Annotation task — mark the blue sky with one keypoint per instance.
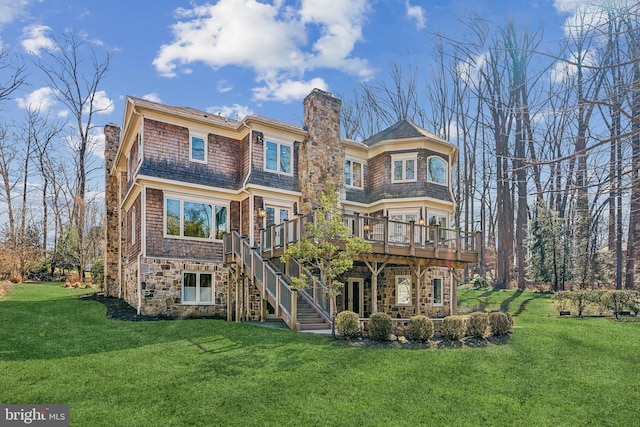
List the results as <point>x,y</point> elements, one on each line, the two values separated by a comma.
<point>241,57</point>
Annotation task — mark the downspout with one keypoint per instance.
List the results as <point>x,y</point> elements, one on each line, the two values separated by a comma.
<point>139,287</point>
<point>143,242</point>
<point>244,186</point>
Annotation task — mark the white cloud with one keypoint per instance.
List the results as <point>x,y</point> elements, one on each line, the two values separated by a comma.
<point>96,144</point>
<point>42,99</point>
<point>568,6</point>
<point>153,97</point>
<point>235,111</point>
<point>416,13</point>
<point>224,86</point>
<point>102,104</point>
<point>287,90</point>
<point>566,69</point>
<point>35,39</point>
<point>469,70</point>
<point>11,9</point>
<point>280,43</point>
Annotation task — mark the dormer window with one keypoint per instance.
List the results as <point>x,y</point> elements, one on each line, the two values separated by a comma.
<point>197,148</point>
<point>403,167</point>
<point>278,158</point>
<point>437,170</point>
<point>353,173</point>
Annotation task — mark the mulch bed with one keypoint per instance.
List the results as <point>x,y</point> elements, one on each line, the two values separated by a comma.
<point>435,342</point>
<point>117,308</point>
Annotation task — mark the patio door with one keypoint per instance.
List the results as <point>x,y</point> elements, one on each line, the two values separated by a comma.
<point>399,233</point>
<point>276,215</point>
<point>353,296</point>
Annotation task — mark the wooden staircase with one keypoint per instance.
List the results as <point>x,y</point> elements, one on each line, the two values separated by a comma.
<point>296,308</point>
<point>308,316</point>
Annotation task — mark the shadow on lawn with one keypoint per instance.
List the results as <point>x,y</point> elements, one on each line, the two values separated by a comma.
<point>70,327</point>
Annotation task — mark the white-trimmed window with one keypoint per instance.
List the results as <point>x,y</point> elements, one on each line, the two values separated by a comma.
<point>139,137</point>
<point>198,148</point>
<point>353,173</point>
<point>437,290</point>
<point>403,167</point>
<point>278,157</point>
<point>197,288</point>
<point>194,219</point>
<point>403,290</point>
<point>437,170</point>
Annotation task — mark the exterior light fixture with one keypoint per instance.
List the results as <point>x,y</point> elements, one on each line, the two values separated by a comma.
<point>262,212</point>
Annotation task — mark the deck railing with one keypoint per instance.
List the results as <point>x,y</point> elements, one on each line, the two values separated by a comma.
<point>378,230</point>
<point>271,282</point>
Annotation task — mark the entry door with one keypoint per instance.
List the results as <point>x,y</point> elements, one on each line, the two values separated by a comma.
<point>276,215</point>
<point>353,296</point>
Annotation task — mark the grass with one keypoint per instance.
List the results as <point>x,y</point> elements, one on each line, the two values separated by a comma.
<point>55,348</point>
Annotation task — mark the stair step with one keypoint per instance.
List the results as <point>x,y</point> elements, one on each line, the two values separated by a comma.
<point>314,326</point>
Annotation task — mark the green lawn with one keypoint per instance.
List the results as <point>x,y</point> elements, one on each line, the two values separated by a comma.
<point>55,348</point>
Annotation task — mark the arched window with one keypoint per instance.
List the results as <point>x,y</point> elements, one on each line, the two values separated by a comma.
<point>437,170</point>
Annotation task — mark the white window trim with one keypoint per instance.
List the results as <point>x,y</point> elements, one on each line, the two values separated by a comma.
<point>133,226</point>
<point>206,146</point>
<point>410,303</point>
<point>404,158</point>
<point>361,173</point>
<point>264,157</point>
<point>212,202</point>
<point>446,170</point>
<point>197,302</point>
<point>433,291</point>
<point>140,136</point>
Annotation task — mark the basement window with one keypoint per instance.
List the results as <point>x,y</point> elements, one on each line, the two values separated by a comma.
<point>197,288</point>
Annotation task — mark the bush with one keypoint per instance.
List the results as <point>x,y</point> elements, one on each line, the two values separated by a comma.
<point>477,324</point>
<point>16,279</point>
<point>499,323</point>
<point>380,326</point>
<point>347,324</point>
<point>420,328</point>
<point>97,272</point>
<point>453,328</point>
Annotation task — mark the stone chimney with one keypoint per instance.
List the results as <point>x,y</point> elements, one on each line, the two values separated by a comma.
<point>112,207</point>
<point>321,155</point>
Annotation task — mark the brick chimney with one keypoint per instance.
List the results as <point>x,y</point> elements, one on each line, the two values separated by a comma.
<point>321,155</point>
<point>112,207</point>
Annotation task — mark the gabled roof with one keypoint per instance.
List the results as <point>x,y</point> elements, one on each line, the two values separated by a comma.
<point>404,129</point>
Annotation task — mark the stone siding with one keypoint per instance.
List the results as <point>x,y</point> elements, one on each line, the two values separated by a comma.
<point>387,293</point>
<point>161,284</point>
<point>321,155</point>
<point>112,210</point>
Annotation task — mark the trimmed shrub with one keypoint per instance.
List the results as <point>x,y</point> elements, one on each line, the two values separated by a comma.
<point>499,323</point>
<point>453,328</point>
<point>347,324</point>
<point>420,328</point>
<point>477,324</point>
<point>380,326</point>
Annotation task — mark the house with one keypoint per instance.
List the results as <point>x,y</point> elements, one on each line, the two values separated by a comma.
<point>200,207</point>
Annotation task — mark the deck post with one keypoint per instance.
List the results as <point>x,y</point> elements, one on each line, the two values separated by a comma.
<point>294,309</point>
<point>458,249</point>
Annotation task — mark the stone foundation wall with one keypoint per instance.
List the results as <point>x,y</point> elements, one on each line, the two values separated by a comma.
<point>422,305</point>
<point>130,283</point>
<point>161,284</point>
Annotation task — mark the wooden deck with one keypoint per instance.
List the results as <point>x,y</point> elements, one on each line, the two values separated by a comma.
<point>391,241</point>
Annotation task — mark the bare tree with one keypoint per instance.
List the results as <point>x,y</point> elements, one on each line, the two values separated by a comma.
<point>75,79</point>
